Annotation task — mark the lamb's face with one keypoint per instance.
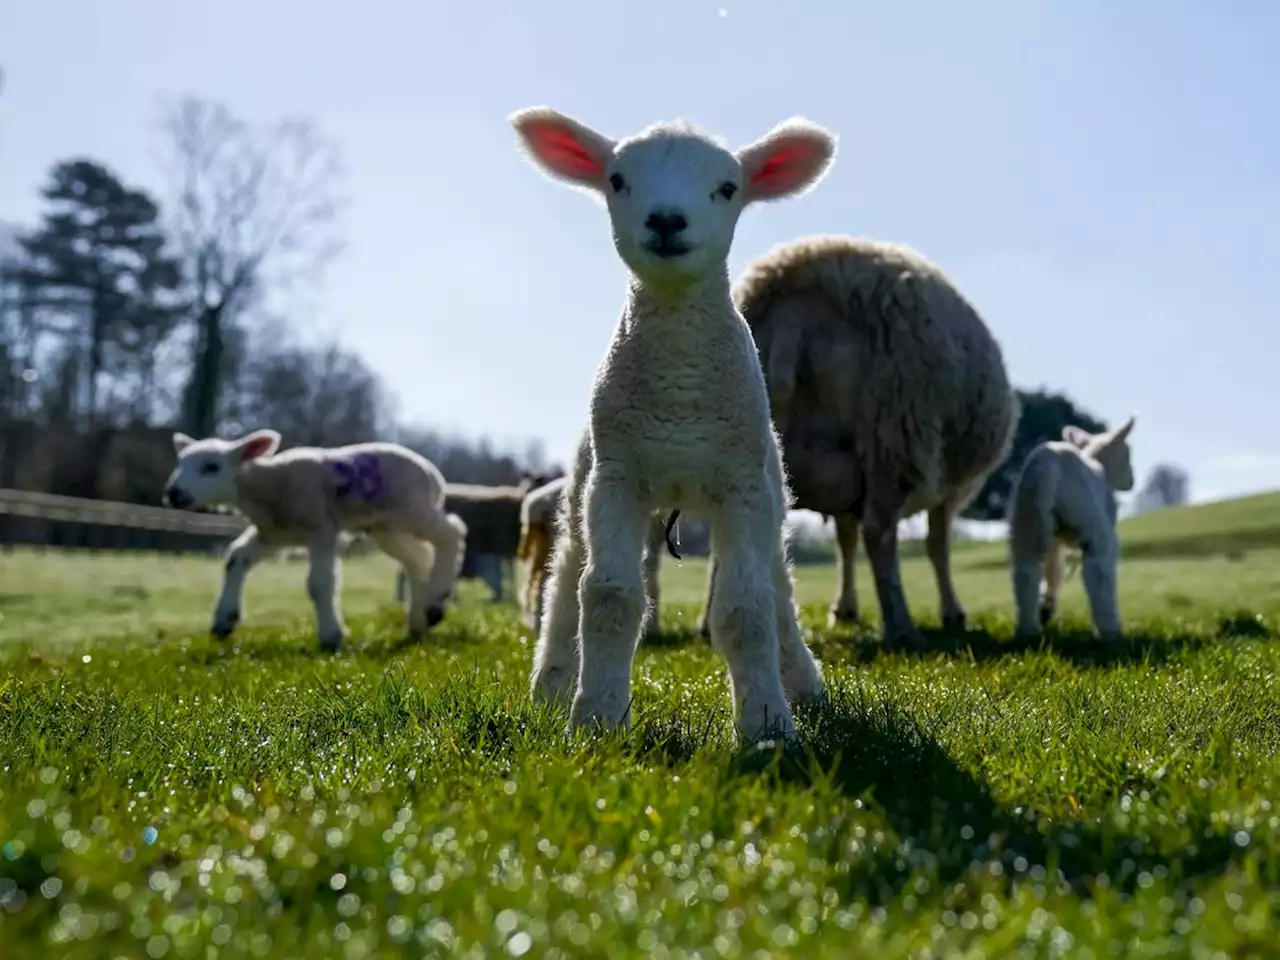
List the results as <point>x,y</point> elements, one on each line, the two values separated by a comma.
<point>206,470</point>
<point>673,194</point>
<point>1117,465</point>
<point>674,198</point>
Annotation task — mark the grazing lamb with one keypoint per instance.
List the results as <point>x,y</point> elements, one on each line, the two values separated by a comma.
<point>891,397</point>
<point>308,496</point>
<point>1065,496</point>
<point>679,419</point>
<point>538,517</point>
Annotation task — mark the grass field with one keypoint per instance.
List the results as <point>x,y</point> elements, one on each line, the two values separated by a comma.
<point>165,795</point>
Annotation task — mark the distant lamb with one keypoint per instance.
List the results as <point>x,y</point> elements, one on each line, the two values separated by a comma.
<point>891,397</point>
<point>679,419</point>
<point>1065,497</point>
<point>538,520</point>
<point>308,496</point>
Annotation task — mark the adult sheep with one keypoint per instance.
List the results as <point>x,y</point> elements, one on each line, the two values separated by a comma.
<point>890,395</point>
<point>308,496</point>
<point>679,418</point>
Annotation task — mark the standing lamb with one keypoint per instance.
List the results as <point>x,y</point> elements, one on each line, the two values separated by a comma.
<point>679,419</point>
<point>538,521</point>
<point>1065,496</point>
<point>891,397</point>
<point>308,496</point>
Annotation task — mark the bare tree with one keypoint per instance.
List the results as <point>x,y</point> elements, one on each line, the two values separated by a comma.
<point>254,212</point>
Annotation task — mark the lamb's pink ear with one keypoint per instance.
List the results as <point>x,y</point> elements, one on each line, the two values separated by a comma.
<point>260,443</point>
<point>181,441</point>
<point>787,160</point>
<point>1122,432</point>
<point>562,147</point>
<point>1076,436</point>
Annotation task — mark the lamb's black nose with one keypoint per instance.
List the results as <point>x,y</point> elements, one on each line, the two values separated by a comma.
<point>666,223</point>
<point>176,497</point>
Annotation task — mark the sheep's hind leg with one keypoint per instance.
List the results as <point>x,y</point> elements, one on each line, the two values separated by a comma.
<point>845,607</point>
<point>611,598</point>
<point>323,584</point>
<point>938,546</point>
<point>744,618</point>
<point>880,534</point>
<point>415,557</point>
<point>245,551</point>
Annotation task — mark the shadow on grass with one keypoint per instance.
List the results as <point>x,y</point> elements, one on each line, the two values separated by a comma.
<point>949,824</point>
<point>1079,647</point>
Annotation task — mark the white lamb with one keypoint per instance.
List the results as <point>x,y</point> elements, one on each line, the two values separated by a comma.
<point>1065,497</point>
<point>679,419</point>
<point>307,496</point>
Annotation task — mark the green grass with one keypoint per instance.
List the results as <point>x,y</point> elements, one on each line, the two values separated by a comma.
<point>165,795</point>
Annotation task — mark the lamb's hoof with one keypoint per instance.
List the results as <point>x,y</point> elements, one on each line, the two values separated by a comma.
<point>434,615</point>
<point>597,718</point>
<point>841,615</point>
<point>956,622</point>
<point>1046,614</point>
<point>552,685</point>
<point>223,627</point>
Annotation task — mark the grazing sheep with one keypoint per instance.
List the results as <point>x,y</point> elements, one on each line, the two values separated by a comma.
<point>1065,496</point>
<point>679,419</point>
<point>537,539</point>
<point>891,397</point>
<point>309,496</point>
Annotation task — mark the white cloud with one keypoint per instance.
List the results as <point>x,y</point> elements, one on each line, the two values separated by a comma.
<point>1235,475</point>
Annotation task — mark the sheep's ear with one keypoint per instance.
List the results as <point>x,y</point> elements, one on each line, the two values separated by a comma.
<point>260,443</point>
<point>787,160</point>
<point>181,441</point>
<point>563,148</point>
<point>1076,436</point>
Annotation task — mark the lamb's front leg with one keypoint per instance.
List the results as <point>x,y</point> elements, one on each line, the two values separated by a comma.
<point>655,543</point>
<point>246,550</point>
<point>611,596</point>
<point>743,616</point>
<point>555,657</point>
<point>801,675</point>
<point>322,587</point>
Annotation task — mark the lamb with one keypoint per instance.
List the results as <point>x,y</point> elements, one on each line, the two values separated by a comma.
<point>679,419</point>
<point>891,397</point>
<point>538,516</point>
<point>1065,496</point>
<point>309,496</point>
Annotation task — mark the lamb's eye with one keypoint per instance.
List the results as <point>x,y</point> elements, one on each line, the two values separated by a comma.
<point>616,181</point>
<point>209,467</point>
<point>727,190</point>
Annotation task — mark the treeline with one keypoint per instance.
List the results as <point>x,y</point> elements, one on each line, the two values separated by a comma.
<point>125,315</point>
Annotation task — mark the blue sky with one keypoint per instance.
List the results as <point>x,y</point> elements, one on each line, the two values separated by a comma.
<point>1102,180</point>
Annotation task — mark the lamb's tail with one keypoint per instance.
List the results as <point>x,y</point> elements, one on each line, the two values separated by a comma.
<point>1031,506</point>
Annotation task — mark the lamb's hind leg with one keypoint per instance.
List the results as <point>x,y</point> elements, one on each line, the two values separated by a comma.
<point>415,557</point>
<point>655,543</point>
<point>845,608</point>
<point>1054,573</point>
<point>1098,571</point>
<point>611,596</point>
<point>744,618</point>
<point>938,546</point>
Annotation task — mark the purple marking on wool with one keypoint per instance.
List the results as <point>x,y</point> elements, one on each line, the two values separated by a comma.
<point>361,475</point>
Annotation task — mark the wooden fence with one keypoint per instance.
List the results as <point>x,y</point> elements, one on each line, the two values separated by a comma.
<point>48,520</point>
